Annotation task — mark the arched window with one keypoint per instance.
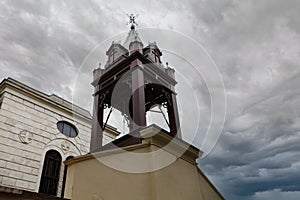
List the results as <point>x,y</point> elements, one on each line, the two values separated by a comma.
<point>67,129</point>
<point>50,174</point>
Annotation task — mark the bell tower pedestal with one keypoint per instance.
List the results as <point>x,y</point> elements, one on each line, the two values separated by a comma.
<point>160,167</point>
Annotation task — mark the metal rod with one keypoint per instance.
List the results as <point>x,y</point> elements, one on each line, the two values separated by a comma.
<point>111,109</point>
<point>164,115</point>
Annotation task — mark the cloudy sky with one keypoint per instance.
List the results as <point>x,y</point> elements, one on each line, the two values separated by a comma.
<point>53,46</point>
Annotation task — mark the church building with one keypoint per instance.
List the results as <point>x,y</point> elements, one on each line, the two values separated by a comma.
<point>38,132</point>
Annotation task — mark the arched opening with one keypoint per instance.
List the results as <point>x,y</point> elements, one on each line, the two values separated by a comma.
<point>50,173</point>
<point>64,178</point>
<point>158,114</point>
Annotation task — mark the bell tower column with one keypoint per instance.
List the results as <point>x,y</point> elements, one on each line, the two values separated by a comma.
<point>98,109</point>
<point>174,117</point>
<point>173,114</point>
<point>138,96</point>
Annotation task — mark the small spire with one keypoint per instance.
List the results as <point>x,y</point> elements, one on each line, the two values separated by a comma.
<point>133,35</point>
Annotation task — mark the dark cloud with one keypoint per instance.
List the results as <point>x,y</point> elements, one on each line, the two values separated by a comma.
<point>54,46</point>
<point>256,46</point>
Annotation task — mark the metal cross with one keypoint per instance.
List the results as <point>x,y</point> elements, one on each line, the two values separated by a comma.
<point>132,19</point>
<point>112,54</point>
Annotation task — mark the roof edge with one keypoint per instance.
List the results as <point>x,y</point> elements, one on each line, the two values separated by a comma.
<point>14,83</point>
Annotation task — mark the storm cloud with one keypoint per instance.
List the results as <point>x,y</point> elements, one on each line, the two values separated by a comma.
<point>255,44</point>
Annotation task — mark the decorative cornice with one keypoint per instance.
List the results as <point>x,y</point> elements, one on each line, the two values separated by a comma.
<point>40,96</point>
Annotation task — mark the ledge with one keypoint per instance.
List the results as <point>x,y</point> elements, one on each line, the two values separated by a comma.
<point>151,135</point>
<point>9,193</point>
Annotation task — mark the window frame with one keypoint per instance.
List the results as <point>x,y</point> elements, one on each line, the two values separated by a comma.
<point>62,126</point>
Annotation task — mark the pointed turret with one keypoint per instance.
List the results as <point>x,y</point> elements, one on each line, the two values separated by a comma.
<point>153,53</point>
<point>115,52</point>
<point>133,41</point>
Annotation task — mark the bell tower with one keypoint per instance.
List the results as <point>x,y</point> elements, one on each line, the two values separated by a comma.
<point>133,81</point>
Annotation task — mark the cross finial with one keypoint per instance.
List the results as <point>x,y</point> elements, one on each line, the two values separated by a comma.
<point>132,21</point>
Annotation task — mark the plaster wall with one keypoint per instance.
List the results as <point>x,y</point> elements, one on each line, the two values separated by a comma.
<point>89,178</point>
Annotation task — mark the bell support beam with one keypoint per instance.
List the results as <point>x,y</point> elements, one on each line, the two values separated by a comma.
<point>173,115</point>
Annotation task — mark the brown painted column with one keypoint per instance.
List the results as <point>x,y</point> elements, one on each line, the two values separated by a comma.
<point>174,116</point>
<point>175,129</point>
<point>97,124</point>
<point>97,121</point>
<point>138,96</point>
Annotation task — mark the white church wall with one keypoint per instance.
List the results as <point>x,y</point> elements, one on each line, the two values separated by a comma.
<point>28,129</point>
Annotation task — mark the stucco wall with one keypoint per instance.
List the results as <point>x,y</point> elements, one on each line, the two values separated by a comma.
<point>90,179</point>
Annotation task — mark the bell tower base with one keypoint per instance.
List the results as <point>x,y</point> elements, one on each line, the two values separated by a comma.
<point>157,168</point>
